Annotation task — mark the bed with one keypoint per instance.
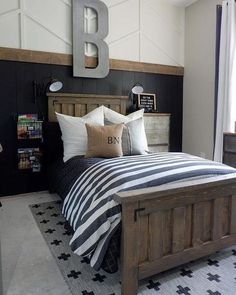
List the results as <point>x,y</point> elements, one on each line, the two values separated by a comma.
<point>168,225</point>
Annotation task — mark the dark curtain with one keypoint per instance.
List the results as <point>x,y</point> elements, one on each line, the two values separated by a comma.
<point>217,57</point>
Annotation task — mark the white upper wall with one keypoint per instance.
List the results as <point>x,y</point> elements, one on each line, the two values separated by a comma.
<point>199,78</point>
<point>139,30</point>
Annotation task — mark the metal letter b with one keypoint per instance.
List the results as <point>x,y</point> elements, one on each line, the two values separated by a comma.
<point>80,37</point>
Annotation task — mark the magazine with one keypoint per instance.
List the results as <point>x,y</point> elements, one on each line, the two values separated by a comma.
<point>29,127</point>
<point>29,158</point>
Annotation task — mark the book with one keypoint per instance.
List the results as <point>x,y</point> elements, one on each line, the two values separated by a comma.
<point>29,129</point>
<point>29,158</point>
<point>28,117</point>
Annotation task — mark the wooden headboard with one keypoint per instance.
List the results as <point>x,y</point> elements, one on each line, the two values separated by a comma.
<point>81,104</point>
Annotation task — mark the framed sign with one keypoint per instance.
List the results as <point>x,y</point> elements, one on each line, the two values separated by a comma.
<point>147,101</point>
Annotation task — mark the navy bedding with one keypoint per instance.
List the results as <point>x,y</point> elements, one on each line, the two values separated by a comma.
<point>61,176</point>
<point>89,206</point>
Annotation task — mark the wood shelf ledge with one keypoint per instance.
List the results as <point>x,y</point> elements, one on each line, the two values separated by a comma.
<point>42,57</point>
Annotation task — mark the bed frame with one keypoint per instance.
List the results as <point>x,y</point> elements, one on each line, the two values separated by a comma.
<point>163,227</point>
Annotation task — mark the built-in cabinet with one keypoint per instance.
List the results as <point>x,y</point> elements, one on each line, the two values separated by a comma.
<point>157,127</point>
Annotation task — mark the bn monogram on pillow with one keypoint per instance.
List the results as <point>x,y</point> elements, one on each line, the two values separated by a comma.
<point>104,141</point>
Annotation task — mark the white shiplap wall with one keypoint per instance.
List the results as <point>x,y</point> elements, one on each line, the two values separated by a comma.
<point>139,30</point>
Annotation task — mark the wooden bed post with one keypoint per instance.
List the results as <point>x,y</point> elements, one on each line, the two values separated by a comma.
<point>129,250</point>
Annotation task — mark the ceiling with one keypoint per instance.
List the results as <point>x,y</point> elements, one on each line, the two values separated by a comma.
<point>182,3</point>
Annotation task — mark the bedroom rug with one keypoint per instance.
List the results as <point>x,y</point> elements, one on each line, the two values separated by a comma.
<point>213,275</point>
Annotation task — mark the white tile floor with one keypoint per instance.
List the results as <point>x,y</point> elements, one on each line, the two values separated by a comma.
<point>28,266</point>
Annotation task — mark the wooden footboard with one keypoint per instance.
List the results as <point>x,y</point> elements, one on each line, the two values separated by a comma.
<point>166,226</point>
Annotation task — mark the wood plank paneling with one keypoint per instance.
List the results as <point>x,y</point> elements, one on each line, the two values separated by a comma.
<point>179,219</point>
<point>225,215</point>
<point>233,215</point>
<point>23,55</point>
<point>80,110</point>
<point>17,97</point>
<point>64,109</point>
<point>202,222</point>
<point>217,221</point>
<point>58,107</point>
<point>167,225</point>
<point>129,250</point>
<point>143,238</point>
<point>167,262</point>
<point>155,235</point>
<point>188,227</point>
<point>81,104</point>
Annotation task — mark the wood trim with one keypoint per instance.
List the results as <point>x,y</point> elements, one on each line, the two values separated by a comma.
<point>43,57</point>
<point>74,104</point>
<point>94,96</point>
<point>182,188</point>
<point>148,269</point>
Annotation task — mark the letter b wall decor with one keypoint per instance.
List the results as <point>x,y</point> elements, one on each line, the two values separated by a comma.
<point>81,38</point>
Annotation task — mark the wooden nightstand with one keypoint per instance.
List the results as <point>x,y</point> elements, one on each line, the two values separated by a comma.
<point>229,149</point>
<point>157,127</point>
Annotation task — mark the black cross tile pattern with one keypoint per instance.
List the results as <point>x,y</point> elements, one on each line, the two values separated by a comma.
<point>61,223</point>
<point>74,274</point>
<point>56,242</point>
<point>153,285</point>
<point>99,278</point>
<point>40,213</point>
<point>45,221</point>
<point>213,262</point>
<point>183,290</point>
<point>185,273</point>
<point>213,293</point>
<point>87,293</point>
<point>50,231</point>
<point>77,268</point>
<point>85,260</point>
<point>67,233</point>
<point>64,256</point>
<point>212,277</point>
<point>36,206</point>
<point>50,208</point>
<point>55,215</point>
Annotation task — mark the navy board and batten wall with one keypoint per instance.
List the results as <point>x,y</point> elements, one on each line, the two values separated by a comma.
<point>17,97</point>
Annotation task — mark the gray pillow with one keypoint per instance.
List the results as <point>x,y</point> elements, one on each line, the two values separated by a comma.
<point>132,143</point>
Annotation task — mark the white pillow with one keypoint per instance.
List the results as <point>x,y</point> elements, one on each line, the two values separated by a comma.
<point>74,133</point>
<point>117,118</point>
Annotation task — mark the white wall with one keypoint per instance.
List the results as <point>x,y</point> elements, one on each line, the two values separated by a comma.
<point>139,30</point>
<point>199,79</point>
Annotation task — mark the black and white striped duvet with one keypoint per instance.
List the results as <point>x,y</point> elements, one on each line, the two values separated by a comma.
<point>92,212</point>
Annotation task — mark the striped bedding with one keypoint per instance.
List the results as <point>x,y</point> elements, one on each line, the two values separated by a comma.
<point>91,210</point>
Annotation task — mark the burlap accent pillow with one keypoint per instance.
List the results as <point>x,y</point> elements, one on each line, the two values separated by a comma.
<point>104,141</point>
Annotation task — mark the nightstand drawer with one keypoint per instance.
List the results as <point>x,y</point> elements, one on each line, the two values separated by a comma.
<point>156,122</point>
<point>157,137</point>
<point>158,148</point>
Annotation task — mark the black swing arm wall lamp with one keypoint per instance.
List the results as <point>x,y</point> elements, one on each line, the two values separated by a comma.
<point>53,85</point>
<point>136,89</point>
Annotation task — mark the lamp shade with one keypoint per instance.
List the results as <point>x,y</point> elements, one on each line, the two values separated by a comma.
<point>137,88</point>
<point>55,85</point>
